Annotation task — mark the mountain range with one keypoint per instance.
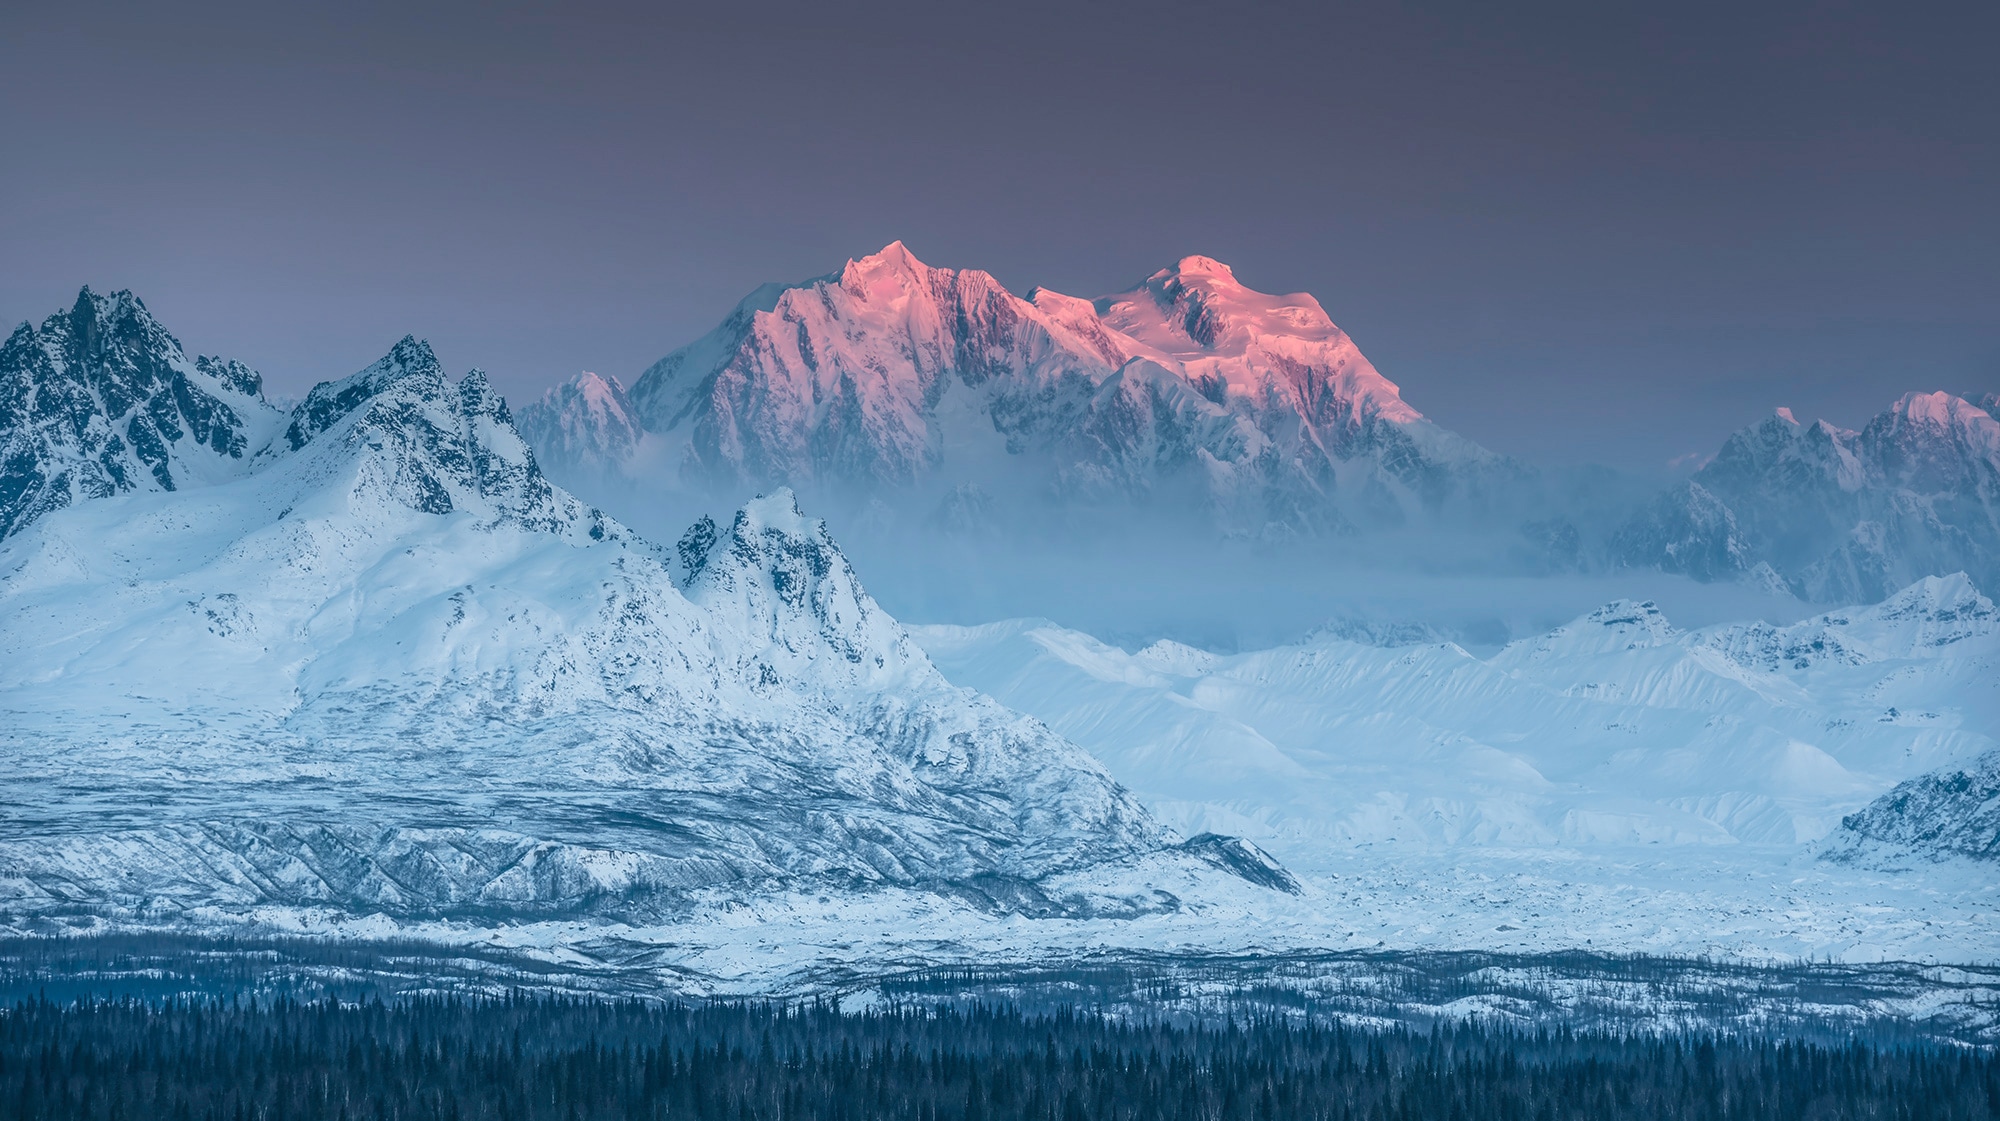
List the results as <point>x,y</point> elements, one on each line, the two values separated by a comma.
<point>382,665</point>
<point>358,667</point>
<point>1193,397</point>
<point>940,386</point>
<point>1617,728</point>
<point>1840,516</point>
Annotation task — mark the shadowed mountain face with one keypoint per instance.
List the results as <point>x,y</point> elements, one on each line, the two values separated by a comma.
<point>1838,515</point>
<point>392,669</point>
<point>1951,813</point>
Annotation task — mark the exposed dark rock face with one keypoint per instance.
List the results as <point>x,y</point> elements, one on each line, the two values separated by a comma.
<point>99,400</point>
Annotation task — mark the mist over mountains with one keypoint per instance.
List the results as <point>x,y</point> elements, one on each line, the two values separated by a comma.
<point>911,400</point>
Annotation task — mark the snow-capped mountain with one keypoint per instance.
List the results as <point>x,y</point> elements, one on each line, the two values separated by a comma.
<point>100,400</point>
<point>891,376</point>
<point>1614,730</point>
<point>393,670</point>
<point>1838,515</point>
<point>585,423</point>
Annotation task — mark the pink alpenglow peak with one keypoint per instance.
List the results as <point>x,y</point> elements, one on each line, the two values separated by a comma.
<point>1948,412</point>
<point>892,372</point>
<point>1199,317</point>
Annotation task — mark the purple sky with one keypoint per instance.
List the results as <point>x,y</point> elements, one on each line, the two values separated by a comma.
<point>1568,232</point>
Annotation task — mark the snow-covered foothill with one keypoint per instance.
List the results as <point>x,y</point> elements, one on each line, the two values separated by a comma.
<point>1616,730</point>
<point>394,670</point>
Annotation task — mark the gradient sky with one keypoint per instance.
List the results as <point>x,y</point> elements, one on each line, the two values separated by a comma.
<point>1572,232</point>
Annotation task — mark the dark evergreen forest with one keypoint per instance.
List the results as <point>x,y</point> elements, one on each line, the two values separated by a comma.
<point>566,1059</point>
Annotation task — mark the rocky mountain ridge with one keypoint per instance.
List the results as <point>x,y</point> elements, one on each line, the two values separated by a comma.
<point>1948,814</point>
<point>390,669</point>
<point>101,400</point>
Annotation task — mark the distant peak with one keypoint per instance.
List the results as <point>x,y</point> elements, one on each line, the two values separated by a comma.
<point>589,380</point>
<point>410,358</point>
<point>410,355</point>
<point>1201,275</point>
<point>894,256</point>
<point>92,307</point>
<point>476,392</point>
<point>1785,415</point>
<point>1947,599</point>
<point>593,389</point>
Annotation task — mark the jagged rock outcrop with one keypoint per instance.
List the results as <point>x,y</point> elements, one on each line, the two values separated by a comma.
<point>100,400</point>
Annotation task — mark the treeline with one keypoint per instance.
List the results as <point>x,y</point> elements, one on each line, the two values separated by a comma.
<point>536,1058</point>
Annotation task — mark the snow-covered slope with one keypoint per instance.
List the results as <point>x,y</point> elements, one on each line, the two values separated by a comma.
<point>1618,729</point>
<point>891,376</point>
<point>100,400</point>
<point>393,670</point>
<point>1953,812</point>
<point>1839,515</point>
